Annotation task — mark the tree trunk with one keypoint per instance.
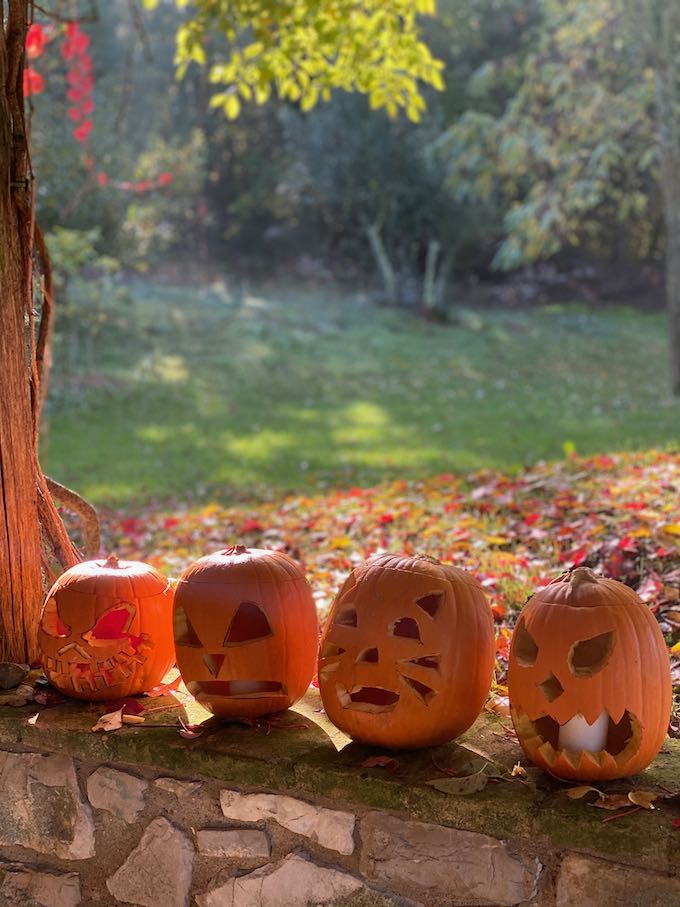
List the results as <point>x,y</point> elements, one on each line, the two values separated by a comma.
<point>389,278</point>
<point>430,278</point>
<point>31,531</point>
<point>668,119</point>
<point>20,565</point>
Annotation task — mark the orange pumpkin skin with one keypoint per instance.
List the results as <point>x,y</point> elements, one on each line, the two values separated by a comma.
<point>106,630</point>
<point>585,645</point>
<point>407,653</point>
<point>246,632</point>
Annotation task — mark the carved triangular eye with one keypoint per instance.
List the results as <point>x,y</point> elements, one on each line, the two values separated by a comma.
<point>431,603</point>
<point>524,645</point>
<point>112,625</point>
<point>248,624</point>
<point>213,663</point>
<point>588,656</point>
<point>51,623</point>
<point>185,635</point>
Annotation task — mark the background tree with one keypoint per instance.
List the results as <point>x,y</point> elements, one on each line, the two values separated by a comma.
<point>303,50</point>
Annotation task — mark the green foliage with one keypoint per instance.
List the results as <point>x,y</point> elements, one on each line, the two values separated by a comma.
<point>571,158</point>
<point>302,50</point>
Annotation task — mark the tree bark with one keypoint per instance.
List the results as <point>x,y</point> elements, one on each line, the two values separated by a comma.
<point>20,565</point>
<point>26,506</point>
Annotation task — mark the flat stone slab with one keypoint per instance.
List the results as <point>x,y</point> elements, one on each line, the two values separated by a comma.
<point>25,886</point>
<point>294,882</point>
<point>42,808</point>
<point>465,868</point>
<point>117,792</point>
<point>586,882</point>
<point>233,843</point>
<point>331,828</point>
<point>158,871</point>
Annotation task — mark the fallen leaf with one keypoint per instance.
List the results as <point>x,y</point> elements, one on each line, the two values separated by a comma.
<point>34,718</point>
<point>498,704</point>
<point>643,798</point>
<point>461,787</point>
<point>518,771</point>
<point>190,731</point>
<point>381,762</point>
<point>112,721</point>
<point>577,793</point>
<point>613,801</point>
<point>133,719</point>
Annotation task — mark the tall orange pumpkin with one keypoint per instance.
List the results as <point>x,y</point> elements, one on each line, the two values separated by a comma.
<point>589,679</point>
<point>246,631</point>
<point>407,653</point>
<point>106,629</point>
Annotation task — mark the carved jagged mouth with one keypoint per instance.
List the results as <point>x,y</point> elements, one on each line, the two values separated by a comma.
<point>541,738</point>
<point>94,674</point>
<point>367,699</point>
<point>236,689</point>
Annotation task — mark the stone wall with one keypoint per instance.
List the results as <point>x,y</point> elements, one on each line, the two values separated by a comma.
<point>90,833</point>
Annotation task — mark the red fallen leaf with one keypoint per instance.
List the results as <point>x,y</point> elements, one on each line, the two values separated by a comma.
<point>627,544</point>
<point>74,114</point>
<point>575,557</point>
<point>676,824</point>
<point>252,525</point>
<point>102,179</point>
<point>532,518</point>
<point>388,762</point>
<point>164,178</point>
<point>385,518</point>
<point>190,731</point>
<point>165,689</point>
<point>650,587</point>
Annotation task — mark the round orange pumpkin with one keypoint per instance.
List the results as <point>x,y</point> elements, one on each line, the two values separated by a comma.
<point>589,679</point>
<point>246,631</point>
<point>407,653</point>
<point>106,629</point>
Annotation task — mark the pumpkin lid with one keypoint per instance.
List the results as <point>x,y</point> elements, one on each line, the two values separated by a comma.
<point>583,588</point>
<point>422,564</point>
<point>238,564</point>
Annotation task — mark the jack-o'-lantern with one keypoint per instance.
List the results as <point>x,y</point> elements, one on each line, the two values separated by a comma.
<point>589,679</point>
<point>106,629</point>
<point>407,653</point>
<point>246,631</point>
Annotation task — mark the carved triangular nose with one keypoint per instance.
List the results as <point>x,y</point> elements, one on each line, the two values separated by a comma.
<point>367,655</point>
<point>213,663</point>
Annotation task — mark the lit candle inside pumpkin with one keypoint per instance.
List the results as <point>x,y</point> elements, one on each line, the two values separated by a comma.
<point>577,734</point>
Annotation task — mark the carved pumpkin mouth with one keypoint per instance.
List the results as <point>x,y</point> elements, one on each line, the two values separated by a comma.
<point>367,699</point>
<point>236,689</point>
<point>540,737</point>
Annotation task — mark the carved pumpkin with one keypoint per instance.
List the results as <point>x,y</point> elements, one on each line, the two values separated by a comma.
<point>106,630</point>
<point>589,679</point>
<point>246,631</point>
<point>407,653</point>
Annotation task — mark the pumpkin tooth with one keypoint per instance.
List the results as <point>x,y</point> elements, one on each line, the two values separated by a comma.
<point>591,760</point>
<point>547,752</point>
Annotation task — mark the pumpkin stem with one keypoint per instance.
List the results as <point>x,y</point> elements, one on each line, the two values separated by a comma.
<point>581,575</point>
<point>111,561</point>
<point>235,549</point>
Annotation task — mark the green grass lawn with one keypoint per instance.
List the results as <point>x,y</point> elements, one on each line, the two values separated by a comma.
<point>193,392</point>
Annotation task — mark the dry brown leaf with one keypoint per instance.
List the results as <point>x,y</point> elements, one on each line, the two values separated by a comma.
<point>133,719</point>
<point>613,801</point>
<point>643,798</point>
<point>577,793</point>
<point>112,721</point>
<point>388,762</point>
<point>518,771</point>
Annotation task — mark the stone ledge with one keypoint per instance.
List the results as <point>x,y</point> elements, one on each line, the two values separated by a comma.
<point>298,755</point>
